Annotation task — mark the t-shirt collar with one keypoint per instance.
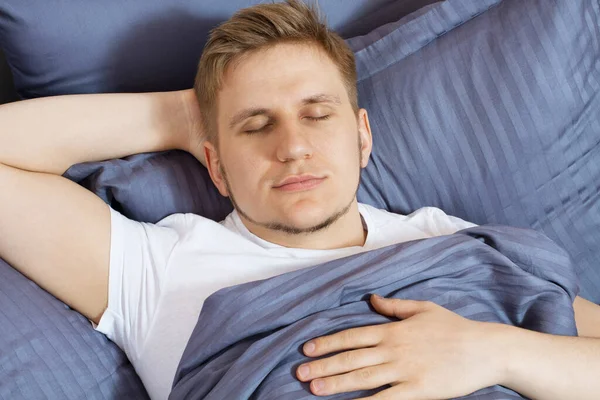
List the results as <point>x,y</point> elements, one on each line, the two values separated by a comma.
<point>234,222</point>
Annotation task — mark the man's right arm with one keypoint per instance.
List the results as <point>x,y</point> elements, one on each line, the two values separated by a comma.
<point>51,134</point>
<point>51,229</point>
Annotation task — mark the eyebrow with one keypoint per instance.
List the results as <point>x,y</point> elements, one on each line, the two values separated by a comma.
<point>252,112</point>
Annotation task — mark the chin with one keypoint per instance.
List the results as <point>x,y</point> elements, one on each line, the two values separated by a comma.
<point>306,215</point>
<point>304,210</point>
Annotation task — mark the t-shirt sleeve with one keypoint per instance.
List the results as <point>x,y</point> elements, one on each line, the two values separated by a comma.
<point>139,257</point>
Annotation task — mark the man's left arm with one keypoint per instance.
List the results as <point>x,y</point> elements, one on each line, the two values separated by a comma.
<point>543,366</point>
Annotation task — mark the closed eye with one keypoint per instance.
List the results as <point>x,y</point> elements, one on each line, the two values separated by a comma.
<point>323,118</point>
<point>259,130</point>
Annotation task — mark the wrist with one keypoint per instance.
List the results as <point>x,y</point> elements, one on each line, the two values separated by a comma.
<point>193,126</point>
<point>192,134</point>
<point>178,119</point>
<point>167,121</point>
<point>498,342</point>
<point>508,345</point>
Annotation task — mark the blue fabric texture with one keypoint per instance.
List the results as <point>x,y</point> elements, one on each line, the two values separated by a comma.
<point>148,187</point>
<point>247,343</point>
<point>70,46</point>
<point>492,116</point>
<point>48,351</point>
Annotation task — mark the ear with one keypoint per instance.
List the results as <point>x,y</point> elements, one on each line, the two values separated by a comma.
<point>213,164</point>
<point>364,130</point>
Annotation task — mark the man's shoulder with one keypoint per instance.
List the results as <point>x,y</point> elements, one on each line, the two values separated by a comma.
<point>432,220</point>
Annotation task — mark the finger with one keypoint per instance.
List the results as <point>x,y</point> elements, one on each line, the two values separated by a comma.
<point>342,363</point>
<point>348,339</point>
<point>401,309</point>
<point>361,379</point>
<point>402,391</point>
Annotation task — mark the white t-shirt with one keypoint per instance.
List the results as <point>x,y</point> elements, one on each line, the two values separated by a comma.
<point>160,275</point>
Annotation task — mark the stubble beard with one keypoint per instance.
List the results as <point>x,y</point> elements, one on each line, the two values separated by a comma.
<point>293,230</point>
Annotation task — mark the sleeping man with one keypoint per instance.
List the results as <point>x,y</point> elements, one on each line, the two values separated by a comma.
<point>274,117</point>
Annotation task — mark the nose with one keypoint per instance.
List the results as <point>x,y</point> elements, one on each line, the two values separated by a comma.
<point>293,144</point>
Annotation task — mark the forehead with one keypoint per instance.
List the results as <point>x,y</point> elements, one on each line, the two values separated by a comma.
<point>279,76</point>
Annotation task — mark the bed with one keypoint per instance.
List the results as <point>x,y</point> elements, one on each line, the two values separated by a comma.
<point>487,109</point>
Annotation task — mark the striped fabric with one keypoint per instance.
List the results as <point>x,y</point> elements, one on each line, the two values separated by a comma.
<point>490,110</point>
<point>48,351</point>
<point>248,339</point>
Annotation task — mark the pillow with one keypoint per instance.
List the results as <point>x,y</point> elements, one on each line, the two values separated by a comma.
<point>70,46</point>
<point>49,351</point>
<point>148,187</point>
<point>492,116</point>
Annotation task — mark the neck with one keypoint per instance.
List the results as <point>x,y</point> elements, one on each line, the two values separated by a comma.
<point>347,231</point>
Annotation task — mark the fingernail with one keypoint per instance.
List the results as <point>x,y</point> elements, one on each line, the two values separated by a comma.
<point>309,347</point>
<point>378,297</point>
<point>319,385</point>
<point>303,371</point>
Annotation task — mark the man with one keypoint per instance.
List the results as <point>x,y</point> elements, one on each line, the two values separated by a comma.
<point>276,100</point>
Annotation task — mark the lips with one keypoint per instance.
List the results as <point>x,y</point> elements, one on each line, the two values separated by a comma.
<point>299,182</point>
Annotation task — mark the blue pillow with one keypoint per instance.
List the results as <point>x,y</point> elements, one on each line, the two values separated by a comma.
<point>48,351</point>
<point>490,110</point>
<point>148,187</point>
<point>71,46</point>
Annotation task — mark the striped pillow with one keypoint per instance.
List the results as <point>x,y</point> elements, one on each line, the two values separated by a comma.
<point>490,110</point>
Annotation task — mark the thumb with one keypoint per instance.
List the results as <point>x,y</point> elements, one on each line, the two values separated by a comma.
<point>401,309</point>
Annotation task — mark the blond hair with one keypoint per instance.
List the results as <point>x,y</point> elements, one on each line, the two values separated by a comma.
<point>260,27</point>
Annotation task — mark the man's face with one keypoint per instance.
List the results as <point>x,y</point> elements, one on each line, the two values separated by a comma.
<point>283,115</point>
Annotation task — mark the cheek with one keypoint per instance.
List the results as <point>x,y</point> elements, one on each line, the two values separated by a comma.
<point>348,161</point>
<point>344,150</point>
<point>243,170</point>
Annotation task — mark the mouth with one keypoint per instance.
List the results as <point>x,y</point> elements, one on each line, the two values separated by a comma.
<point>299,183</point>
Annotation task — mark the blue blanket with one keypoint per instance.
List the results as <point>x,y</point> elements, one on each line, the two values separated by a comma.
<point>247,342</point>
